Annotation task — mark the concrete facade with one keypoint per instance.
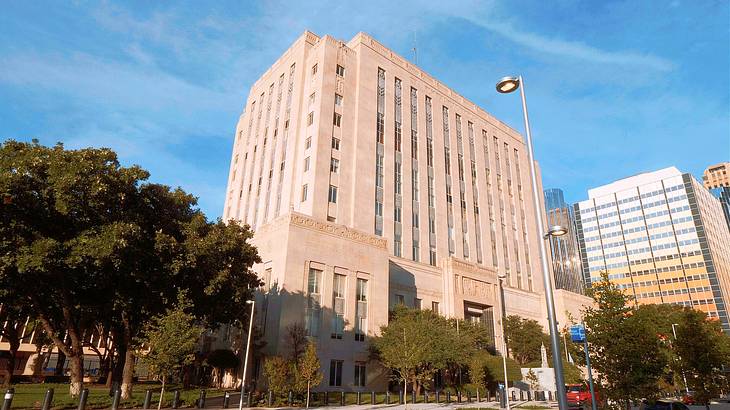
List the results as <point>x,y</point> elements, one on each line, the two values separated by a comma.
<point>368,183</point>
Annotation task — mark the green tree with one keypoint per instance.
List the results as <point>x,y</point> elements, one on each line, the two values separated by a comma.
<point>13,314</point>
<point>170,341</point>
<point>416,343</point>
<point>84,241</point>
<point>626,349</point>
<point>307,371</point>
<point>704,350</point>
<point>524,338</point>
<point>278,373</point>
<point>487,370</point>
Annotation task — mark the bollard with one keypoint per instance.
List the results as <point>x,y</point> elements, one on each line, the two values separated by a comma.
<point>550,396</point>
<point>201,399</point>
<point>458,396</point>
<point>147,399</point>
<point>425,396</point>
<point>176,399</point>
<point>248,399</point>
<point>372,398</point>
<point>48,400</point>
<point>82,399</point>
<point>290,398</point>
<point>226,400</point>
<point>115,399</point>
<point>342,398</point>
<point>438,396</point>
<point>8,400</point>
<point>514,395</point>
<point>413,397</point>
<point>387,397</point>
<point>326,398</point>
<point>270,400</point>
<point>400,397</point>
<point>448,397</point>
<point>359,402</point>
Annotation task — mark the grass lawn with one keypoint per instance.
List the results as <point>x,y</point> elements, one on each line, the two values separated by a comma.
<point>30,396</point>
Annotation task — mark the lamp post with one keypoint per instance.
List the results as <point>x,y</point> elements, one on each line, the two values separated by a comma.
<point>684,378</point>
<point>504,86</point>
<point>503,313</point>
<point>245,361</point>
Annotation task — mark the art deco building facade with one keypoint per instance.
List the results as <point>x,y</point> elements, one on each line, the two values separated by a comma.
<point>564,250</point>
<point>661,236</point>
<point>368,184</point>
<point>717,180</point>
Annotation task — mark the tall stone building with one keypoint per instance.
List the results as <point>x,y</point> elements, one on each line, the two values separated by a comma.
<point>661,236</point>
<point>564,250</point>
<point>369,184</point>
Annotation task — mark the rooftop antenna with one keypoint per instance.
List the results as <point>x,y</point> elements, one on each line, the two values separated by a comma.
<point>415,49</point>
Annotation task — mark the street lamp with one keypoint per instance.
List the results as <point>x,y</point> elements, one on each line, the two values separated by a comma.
<point>555,231</point>
<point>504,86</point>
<point>245,361</point>
<point>501,277</point>
<point>684,378</point>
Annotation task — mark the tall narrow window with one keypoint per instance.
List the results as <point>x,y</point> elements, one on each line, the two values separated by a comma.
<point>335,144</point>
<point>313,310</point>
<point>338,303</point>
<point>337,119</point>
<point>334,165</point>
<point>340,70</point>
<point>338,100</point>
<point>360,378</point>
<point>333,194</point>
<point>304,192</point>
<point>335,372</point>
<point>361,310</point>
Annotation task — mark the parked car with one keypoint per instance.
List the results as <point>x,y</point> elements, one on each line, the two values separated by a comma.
<point>579,396</point>
<point>689,398</point>
<point>664,404</point>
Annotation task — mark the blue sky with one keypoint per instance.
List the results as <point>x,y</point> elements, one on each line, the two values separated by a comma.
<point>614,88</point>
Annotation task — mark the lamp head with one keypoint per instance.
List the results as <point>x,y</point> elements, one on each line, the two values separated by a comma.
<point>508,84</point>
<point>501,275</point>
<point>249,302</point>
<point>555,231</point>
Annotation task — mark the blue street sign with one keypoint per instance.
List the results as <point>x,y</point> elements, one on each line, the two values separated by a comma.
<point>578,333</point>
<point>501,386</point>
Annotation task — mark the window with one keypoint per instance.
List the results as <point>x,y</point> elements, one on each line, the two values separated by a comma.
<point>361,310</point>
<point>311,99</point>
<point>310,118</point>
<point>304,192</point>
<point>360,378</point>
<point>417,303</point>
<point>399,299</point>
<point>340,70</point>
<point>308,143</point>
<point>337,120</point>
<point>335,372</point>
<point>335,143</point>
<point>306,164</point>
<point>334,165</point>
<point>378,208</point>
<point>397,214</point>
<point>333,194</point>
<point>415,219</point>
<point>435,307</point>
<point>416,253</point>
<point>314,69</point>
<point>338,100</point>
<point>338,303</point>
<point>313,302</point>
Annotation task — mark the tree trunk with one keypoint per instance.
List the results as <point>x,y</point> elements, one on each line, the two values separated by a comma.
<point>162,393</point>
<point>76,366</point>
<point>60,364</point>
<point>128,374</point>
<point>14,346</point>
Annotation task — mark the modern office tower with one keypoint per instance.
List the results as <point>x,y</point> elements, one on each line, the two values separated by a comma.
<point>564,250</point>
<point>368,184</point>
<point>661,236</point>
<point>717,176</point>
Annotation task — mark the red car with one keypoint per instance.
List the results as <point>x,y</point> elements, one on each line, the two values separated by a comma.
<point>579,396</point>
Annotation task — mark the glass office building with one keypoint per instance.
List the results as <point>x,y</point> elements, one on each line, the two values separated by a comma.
<point>662,237</point>
<point>564,250</point>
